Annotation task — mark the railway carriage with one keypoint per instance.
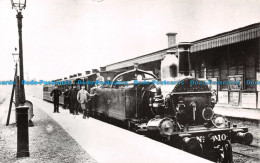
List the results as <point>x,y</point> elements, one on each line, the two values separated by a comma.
<point>76,80</point>
<point>47,88</point>
<point>46,92</point>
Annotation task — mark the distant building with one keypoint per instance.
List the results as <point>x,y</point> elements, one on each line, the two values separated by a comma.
<point>230,56</point>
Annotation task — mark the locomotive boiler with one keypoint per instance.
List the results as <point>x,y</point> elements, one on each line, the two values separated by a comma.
<point>178,109</point>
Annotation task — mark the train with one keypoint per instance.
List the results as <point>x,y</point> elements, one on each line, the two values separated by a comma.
<point>171,109</point>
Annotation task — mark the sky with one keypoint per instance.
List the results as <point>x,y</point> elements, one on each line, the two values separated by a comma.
<point>64,37</point>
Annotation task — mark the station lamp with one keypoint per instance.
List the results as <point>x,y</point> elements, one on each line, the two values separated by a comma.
<point>19,5</point>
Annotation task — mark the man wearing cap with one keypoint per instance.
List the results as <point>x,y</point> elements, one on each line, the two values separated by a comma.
<point>82,98</point>
<point>56,94</point>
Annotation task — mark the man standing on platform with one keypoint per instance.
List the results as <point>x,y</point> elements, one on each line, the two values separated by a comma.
<point>73,99</point>
<point>56,94</point>
<point>82,98</point>
<point>66,98</point>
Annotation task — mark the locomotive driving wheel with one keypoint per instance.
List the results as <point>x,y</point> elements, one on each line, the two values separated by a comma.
<point>224,153</point>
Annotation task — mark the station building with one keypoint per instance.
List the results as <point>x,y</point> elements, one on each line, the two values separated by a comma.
<point>229,56</point>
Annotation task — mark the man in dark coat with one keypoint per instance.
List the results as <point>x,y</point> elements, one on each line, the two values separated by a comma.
<point>73,100</point>
<point>56,94</point>
<point>66,98</point>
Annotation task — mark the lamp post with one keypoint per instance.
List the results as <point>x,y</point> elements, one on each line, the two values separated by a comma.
<point>22,110</point>
<point>19,5</point>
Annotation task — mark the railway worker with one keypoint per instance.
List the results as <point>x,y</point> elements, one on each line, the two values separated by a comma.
<point>82,98</point>
<point>108,82</point>
<point>66,98</point>
<point>56,94</point>
<point>73,100</point>
<point>99,80</point>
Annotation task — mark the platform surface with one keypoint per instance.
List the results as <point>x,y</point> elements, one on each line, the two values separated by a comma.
<point>237,112</point>
<point>110,144</point>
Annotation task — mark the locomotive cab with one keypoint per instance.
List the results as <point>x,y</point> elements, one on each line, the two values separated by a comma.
<point>132,97</point>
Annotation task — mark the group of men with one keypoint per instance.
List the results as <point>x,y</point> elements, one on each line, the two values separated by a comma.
<point>74,98</point>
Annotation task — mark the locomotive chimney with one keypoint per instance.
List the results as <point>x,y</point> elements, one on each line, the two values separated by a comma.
<point>171,39</point>
<point>184,58</point>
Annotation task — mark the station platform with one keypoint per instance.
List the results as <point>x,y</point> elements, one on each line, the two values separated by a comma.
<point>237,112</point>
<point>106,143</point>
<point>48,141</point>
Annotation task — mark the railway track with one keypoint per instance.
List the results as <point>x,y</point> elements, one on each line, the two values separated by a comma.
<point>248,152</point>
<point>247,156</point>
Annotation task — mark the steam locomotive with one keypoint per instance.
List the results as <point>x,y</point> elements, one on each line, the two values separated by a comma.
<point>172,110</point>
